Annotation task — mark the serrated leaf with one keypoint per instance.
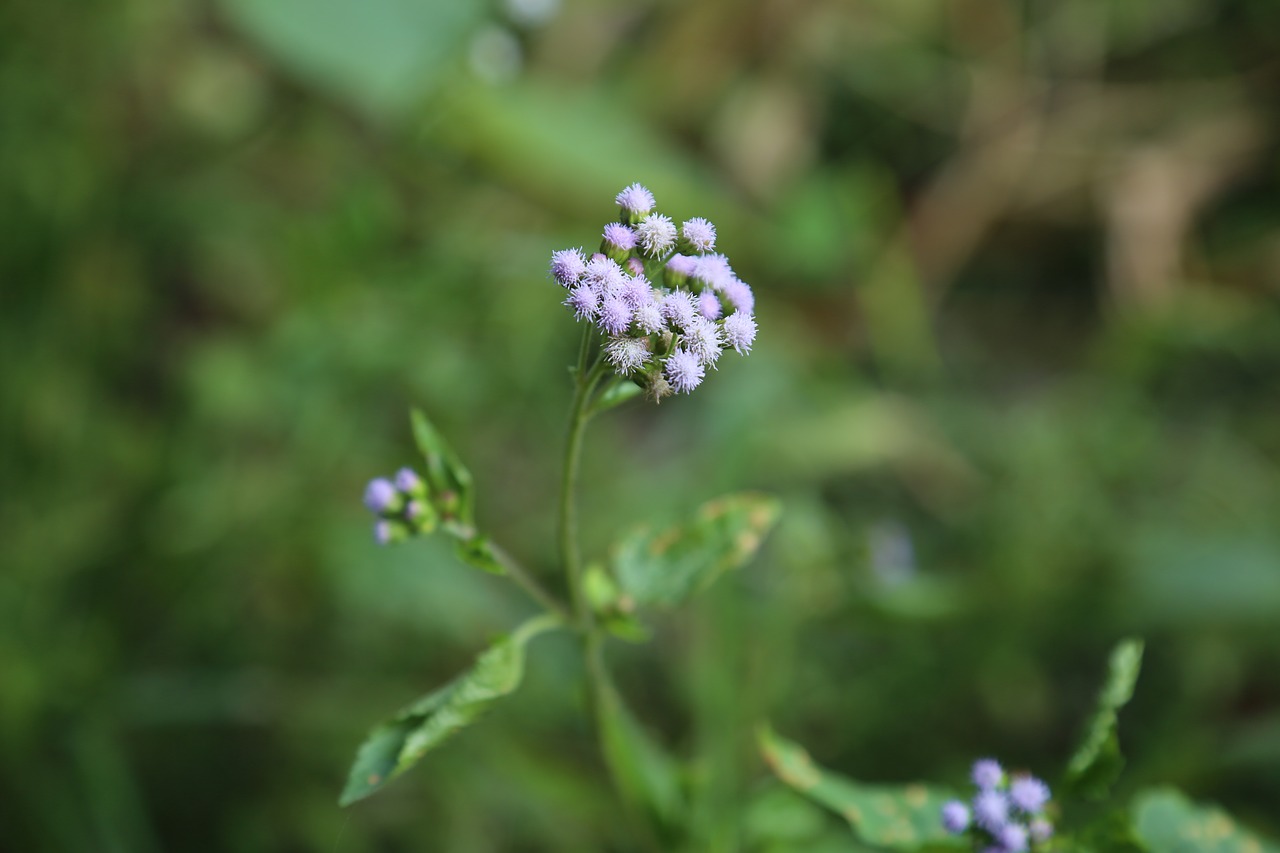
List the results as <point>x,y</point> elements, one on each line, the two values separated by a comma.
<point>397,744</point>
<point>895,817</point>
<point>1097,760</point>
<point>452,491</point>
<point>648,775</point>
<point>1167,822</point>
<point>664,568</point>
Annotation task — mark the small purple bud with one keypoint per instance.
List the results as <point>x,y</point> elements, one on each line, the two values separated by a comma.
<point>1028,793</point>
<point>584,301</point>
<point>615,315</point>
<point>991,810</point>
<point>620,236</point>
<point>1013,838</point>
<point>627,354</point>
<point>678,308</point>
<point>635,200</point>
<point>955,817</point>
<point>381,496</point>
<point>408,482</point>
<point>567,266</point>
<point>657,234</point>
<point>699,233</point>
<point>684,371</point>
<point>383,532</point>
<point>635,266</point>
<point>987,773</point>
<point>709,305</point>
<point>1041,830</point>
<point>739,331</point>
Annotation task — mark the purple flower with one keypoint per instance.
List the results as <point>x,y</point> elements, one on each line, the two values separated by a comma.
<point>739,293</point>
<point>1013,838</point>
<point>987,773</point>
<point>713,270</point>
<point>740,331</point>
<point>709,305</point>
<point>991,810</point>
<point>955,817</point>
<point>684,371</point>
<point>636,200</point>
<point>700,233</point>
<point>635,266</point>
<point>620,236</point>
<point>383,532</point>
<point>627,354</point>
<point>408,481</point>
<point>615,314</point>
<point>678,308</point>
<point>567,266</point>
<point>702,338</point>
<point>584,301</point>
<point>649,315</point>
<point>1028,793</point>
<point>381,496</point>
<point>415,510</point>
<point>1041,830</point>
<point>604,273</point>
<point>657,234</point>
<point>635,290</point>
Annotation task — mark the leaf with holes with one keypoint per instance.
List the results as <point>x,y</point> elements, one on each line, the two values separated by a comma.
<point>895,817</point>
<point>397,744</point>
<point>665,567</point>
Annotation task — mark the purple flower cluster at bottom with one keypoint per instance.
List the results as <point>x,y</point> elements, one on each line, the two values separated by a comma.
<point>1005,815</point>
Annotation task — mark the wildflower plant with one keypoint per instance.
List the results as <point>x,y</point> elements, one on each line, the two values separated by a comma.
<point>659,308</point>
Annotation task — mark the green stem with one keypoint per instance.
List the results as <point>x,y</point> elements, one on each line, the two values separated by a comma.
<point>568,486</point>
<point>530,584</point>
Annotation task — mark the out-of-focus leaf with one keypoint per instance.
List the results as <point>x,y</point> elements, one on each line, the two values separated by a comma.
<point>381,55</point>
<point>1097,760</point>
<point>616,394</point>
<point>1167,822</point>
<point>649,776</point>
<point>476,551</point>
<point>613,609</point>
<point>397,744</point>
<point>664,568</point>
<point>898,818</point>
<point>450,481</point>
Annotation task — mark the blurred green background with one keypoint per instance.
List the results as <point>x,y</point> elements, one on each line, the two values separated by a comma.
<point>1018,270</point>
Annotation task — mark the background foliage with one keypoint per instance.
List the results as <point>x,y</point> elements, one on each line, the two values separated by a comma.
<point>1017,271</point>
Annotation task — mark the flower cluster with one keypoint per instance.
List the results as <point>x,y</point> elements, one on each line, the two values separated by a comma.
<point>1006,815</point>
<point>667,304</point>
<point>401,506</point>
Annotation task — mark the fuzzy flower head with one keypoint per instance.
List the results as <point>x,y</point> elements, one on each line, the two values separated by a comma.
<point>381,496</point>
<point>1006,814</point>
<point>567,266</point>
<point>636,201</point>
<point>657,234</point>
<point>665,304</point>
<point>699,234</point>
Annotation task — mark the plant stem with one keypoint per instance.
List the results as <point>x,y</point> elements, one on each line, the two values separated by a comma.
<point>584,381</point>
<point>530,584</point>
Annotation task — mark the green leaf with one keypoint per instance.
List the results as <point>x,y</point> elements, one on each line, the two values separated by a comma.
<point>1167,822</point>
<point>478,552</point>
<point>613,610</point>
<point>452,491</point>
<point>666,567</point>
<point>397,744</point>
<point>381,55</point>
<point>617,393</point>
<point>1097,760</point>
<point>649,777</point>
<point>895,817</point>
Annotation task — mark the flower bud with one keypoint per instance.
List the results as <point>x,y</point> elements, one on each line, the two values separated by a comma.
<point>381,497</point>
